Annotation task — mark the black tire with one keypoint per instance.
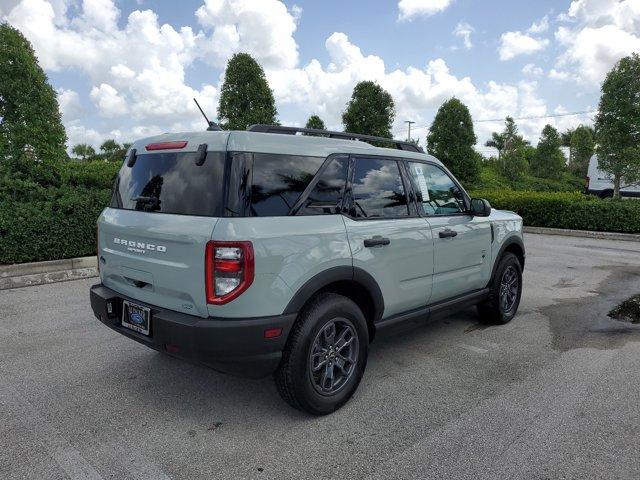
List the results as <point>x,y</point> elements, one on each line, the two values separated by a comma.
<point>606,194</point>
<point>296,382</point>
<point>494,310</point>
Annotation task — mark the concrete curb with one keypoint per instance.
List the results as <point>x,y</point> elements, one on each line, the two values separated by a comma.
<point>38,273</point>
<point>627,237</point>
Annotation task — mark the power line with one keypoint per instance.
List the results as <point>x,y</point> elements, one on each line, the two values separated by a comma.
<point>535,117</point>
<point>531,117</point>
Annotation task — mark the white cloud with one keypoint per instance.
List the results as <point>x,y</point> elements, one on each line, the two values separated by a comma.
<point>539,27</point>
<point>464,30</point>
<point>513,44</point>
<point>109,102</point>
<point>559,75</point>
<point>263,27</point>
<point>70,105</point>
<point>138,68</point>
<point>77,133</point>
<point>408,9</point>
<point>417,92</point>
<point>597,35</point>
<point>532,69</point>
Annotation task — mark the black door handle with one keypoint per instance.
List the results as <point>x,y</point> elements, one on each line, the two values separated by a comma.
<point>447,233</point>
<point>376,241</point>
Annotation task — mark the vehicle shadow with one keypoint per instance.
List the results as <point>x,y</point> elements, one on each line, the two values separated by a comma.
<point>195,394</point>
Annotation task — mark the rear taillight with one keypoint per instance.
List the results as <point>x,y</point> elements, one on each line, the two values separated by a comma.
<point>229,270</point>
<point>587,179</point>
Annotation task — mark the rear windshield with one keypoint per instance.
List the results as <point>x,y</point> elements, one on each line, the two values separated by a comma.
<point>172,183</point>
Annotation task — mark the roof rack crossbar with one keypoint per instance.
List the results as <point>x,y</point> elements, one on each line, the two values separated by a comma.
<point>399,144</point>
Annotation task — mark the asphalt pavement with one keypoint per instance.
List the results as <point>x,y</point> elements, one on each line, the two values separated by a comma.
<point>554,394</point>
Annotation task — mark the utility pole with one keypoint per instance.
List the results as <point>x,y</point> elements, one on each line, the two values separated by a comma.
<point>409,122</point>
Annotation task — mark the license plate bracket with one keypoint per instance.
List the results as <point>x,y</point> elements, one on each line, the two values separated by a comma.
<point>136,317</point>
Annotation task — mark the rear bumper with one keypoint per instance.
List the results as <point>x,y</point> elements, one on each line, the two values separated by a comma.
<point>235,346</point>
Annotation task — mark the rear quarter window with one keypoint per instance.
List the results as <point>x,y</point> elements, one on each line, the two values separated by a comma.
<point>278,180</point>
<point>172,183</point>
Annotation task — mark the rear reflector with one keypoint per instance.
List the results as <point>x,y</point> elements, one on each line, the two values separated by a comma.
<point>166,145</point>
<point>272,333</point>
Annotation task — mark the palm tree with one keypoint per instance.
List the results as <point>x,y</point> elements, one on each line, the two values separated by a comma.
<point>497,142</point>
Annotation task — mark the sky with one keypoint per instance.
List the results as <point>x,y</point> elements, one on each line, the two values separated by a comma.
<point>126,69</point>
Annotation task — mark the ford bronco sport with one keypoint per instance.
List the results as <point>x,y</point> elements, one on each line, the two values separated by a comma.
<point>269,252</point>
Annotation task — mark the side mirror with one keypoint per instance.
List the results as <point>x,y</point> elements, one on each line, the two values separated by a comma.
<point>480,207</point>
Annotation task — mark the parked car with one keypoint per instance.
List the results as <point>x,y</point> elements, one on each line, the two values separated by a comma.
<point>269,252</point>
<point>600,183</point>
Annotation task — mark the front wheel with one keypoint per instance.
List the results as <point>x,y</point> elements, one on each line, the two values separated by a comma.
<point>325,356</point>
<point>505,292</point>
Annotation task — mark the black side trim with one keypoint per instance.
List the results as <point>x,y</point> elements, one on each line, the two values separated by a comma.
<point>336,274</point>
<point>434,310</point>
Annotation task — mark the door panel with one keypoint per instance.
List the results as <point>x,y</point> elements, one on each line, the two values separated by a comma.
<point>462,243</point>
<point>461,263</point>
<point>394,247</point>
<point>403,268</point>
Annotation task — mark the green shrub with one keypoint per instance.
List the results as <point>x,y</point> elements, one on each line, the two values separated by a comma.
<point>97,174</point>
<point>570,210</point>
<point>568,183</point>
<point>491,178</point>
<point>60,226</point>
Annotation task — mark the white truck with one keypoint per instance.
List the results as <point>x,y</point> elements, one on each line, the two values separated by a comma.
<point>601,184</point>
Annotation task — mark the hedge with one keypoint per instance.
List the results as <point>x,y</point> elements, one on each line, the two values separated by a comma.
<point>570,210</point>
<point>97,174</point>
<point>61,227</point>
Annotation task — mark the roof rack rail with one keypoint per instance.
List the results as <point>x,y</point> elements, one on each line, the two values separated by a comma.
<point>399,144</point>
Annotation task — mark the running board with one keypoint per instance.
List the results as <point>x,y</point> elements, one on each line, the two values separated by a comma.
<point>435,310</point>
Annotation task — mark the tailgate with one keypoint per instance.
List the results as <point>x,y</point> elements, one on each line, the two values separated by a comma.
<point>155,258</point>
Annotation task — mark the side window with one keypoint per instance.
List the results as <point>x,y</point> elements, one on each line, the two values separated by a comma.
<point>326,196</point>
<point>435,189</point>
<point>378,190</point>
<point>278,181</point>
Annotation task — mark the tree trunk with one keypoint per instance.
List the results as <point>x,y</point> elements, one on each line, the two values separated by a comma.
<point>616,186</point>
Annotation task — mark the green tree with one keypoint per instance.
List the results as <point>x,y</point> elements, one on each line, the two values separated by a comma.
<point>112,151</point>
<point>565,141</point>
<point>513,162</point>
<point>370,111</point>
<point>245,97</point>
<point>581,147</point>
<point>617,124</point>
<point>451,139</point>
<point>496,142</point>
<point>512,151</point>
<point>30,125</point>
<point>109,149</point>
<point>84,152</point>
<point>548,162</point>
<point>315,122</point>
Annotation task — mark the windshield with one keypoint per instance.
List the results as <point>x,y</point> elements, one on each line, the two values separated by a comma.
<point>171,183</point>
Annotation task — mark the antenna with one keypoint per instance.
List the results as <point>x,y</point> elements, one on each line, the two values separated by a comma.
<point>212,126</point>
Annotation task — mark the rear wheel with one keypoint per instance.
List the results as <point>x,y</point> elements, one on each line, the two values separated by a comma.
<point>505,292</point>
<point>325,356</point>
<point>606,194</point>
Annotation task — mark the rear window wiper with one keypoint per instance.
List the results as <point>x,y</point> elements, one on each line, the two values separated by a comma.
<point>145,199</point>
